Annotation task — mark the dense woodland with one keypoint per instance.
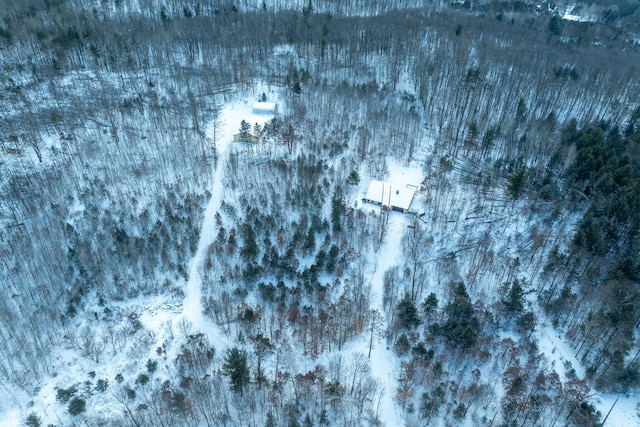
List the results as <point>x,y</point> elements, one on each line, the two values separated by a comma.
<point>527,129</point>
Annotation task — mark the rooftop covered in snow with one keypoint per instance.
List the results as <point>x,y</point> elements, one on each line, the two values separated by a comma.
<point>265,108</point>
<point>396,197</point>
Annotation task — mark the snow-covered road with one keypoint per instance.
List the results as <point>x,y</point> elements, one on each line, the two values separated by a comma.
<point>383,361</point>
<point>228,124</point>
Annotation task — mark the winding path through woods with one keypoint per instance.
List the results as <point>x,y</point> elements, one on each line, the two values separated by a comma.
<point>383,361</point>
<point>228,124</point>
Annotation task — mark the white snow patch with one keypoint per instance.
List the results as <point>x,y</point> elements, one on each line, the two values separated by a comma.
<point>624,412</point>
<point>557,351</point>
<point>383,360</point>
<point>579,14</point>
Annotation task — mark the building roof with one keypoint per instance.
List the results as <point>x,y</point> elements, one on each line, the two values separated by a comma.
<point>265,108</point>
<point>390,194</point>
<point>249,137</point>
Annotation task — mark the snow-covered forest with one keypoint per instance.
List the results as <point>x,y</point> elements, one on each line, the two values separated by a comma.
<point>171,256</point>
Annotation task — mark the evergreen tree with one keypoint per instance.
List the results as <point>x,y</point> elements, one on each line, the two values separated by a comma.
<point>590,235</point>
<point>430,403</point>
<point>33,420</point>
<point>245,129</point>
<point>430,304</point>
<point>297,88</point>
<point>291,411</point>
<point>461,327</point>
<point>249,249</point>
<point>236,368</point>
<point>407,314</point>
<point>310,244</point>
<point>178,402</point>
<point>555,25</point>
<point>77,406</point>
<point>513,298</point>
<point>517,183</point>
<point>337,209</point>
<point>231,243</point>
<point>102,384</point>
<point>402,345</point>
<point>353,178</point>
<point>473,130</point>
<point>526,323</point>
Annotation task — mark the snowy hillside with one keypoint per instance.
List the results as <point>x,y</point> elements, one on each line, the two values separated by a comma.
<point>419,224</point>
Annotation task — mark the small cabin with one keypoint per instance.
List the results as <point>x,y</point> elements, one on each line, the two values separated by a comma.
<point>396,197</point>
<point>250,138</point>
<point>265,108</point>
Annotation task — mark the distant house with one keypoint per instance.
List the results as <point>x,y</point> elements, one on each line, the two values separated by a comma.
<point>393,196</point>
<point>265,108</point>
<point>239,137</point>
